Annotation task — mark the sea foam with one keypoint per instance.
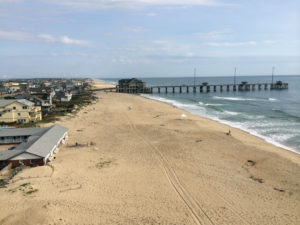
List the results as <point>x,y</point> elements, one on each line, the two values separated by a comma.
<point>200,109</point>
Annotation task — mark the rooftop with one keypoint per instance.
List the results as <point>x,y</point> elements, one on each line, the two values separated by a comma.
<point>5,102</point>
<point>41,141</point>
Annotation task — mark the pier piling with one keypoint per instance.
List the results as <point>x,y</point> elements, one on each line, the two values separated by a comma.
<point>243,86</point>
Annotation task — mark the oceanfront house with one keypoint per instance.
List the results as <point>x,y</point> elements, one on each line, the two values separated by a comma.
<point>33,146</point>
<point>131,86</point>
<point>63,96</point>
<point>19,111</point>
<point>42,99</point>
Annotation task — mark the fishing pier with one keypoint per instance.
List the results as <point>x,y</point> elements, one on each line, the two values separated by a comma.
<point>135,86</point>
<point>205,87</point>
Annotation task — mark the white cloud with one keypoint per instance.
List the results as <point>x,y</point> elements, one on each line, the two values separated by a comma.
<point>22,36</point>
<point>82,54</point>
<point>234,44</point>
<point>151,14</point>
<point>47,37</point>
<point>179,2</point>
<point>215,35</point>
<point>66,40</point>
<point>5,1</point>
<point>174,51</point>
<point>231,44</point>
<point>136,29</point>
<point>93,4</point>
<point>14,35</point>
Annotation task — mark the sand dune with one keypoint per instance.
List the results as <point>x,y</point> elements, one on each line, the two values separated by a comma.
<point>140,162</point>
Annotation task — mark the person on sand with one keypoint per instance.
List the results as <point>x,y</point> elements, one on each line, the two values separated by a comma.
<point>229,133</point>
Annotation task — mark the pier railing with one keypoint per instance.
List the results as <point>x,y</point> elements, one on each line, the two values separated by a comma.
<point>244,86</point>
<point>204,87</point>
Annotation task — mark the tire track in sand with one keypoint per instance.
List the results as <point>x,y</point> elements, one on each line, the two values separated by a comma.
<point>197,212</point>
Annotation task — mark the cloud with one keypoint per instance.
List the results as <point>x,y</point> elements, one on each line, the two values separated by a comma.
<point>135,29</point>
<point>63,40</point>
<point>22,36</point>
<point>151,14</point>
<point>14,35</point>
<point>94,4</point>
<point>235,44</point>
<point>66,40</point>
<point>5,1</point>
<point>215,35</point>
<point>232,44</point>
<point>47,37</point>
<point>75,54</point>
<point>174,51</point>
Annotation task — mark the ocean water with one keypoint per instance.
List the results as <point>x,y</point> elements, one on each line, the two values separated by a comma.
<point>273,115</point>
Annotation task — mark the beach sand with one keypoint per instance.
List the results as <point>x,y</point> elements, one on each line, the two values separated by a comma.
<point>139,161</point>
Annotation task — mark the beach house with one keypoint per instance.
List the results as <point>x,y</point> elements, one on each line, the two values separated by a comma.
<point>33,146</point>
<point>42,99</point>
<point>63,96</point>
<point>19,111</point>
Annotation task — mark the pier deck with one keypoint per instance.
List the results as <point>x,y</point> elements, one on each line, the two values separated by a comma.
<point>204,87</point>
<point>244,86</point>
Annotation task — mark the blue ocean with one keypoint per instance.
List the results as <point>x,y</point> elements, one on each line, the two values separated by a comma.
<point>273,115</point>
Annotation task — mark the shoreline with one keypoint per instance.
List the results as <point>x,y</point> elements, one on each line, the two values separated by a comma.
<point>283,150</point>
<point>138,161</point>
<point>250,132</point>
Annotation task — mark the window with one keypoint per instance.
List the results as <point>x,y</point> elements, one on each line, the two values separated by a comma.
<point>0,114</point>
<point>14,108</point>
<point>24,107</point>
<point>19,114</point>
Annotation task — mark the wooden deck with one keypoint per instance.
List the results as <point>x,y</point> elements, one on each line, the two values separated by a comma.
<point>244,86</point>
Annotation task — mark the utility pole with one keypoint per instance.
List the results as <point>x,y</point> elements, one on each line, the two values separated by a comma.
<point>234,75</point>
<point>195,71</point>
<point>273,69</point>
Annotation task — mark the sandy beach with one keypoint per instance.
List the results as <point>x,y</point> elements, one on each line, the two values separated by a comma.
<point>139,161</point>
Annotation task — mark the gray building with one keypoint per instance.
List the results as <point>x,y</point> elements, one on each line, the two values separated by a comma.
<point>34,146</point>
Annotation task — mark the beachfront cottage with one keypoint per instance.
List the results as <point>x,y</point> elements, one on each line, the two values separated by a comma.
<point>19,111</point>
<point>33,146</point>
<point>42,99</point>
<point>63,96</point>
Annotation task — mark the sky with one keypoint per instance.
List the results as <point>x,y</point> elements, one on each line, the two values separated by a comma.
<point>148,38</point>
